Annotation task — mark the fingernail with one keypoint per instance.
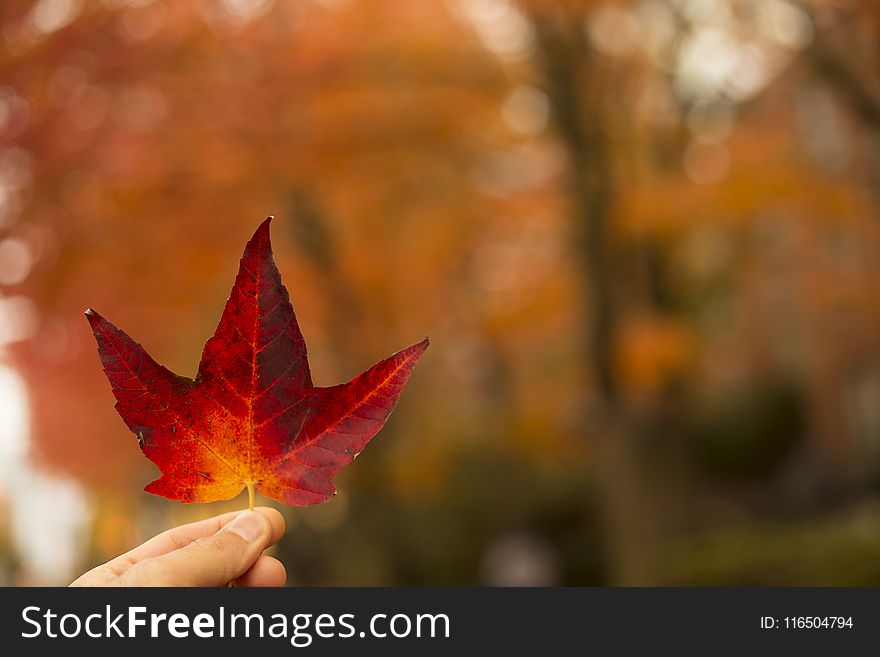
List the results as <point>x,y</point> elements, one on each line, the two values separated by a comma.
<point>248,524</point>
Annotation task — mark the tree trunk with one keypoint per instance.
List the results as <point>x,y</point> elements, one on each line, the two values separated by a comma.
<point>627,505</point>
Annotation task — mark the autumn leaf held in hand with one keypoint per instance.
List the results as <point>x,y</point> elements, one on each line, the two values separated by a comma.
<point>251,417</point>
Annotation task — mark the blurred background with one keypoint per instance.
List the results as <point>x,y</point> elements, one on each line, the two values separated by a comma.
<point>642,236</point>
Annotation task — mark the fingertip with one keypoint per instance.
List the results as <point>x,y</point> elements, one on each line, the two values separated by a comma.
<point>276,522</point>
<point>266,571</point>
<point>250,526</point>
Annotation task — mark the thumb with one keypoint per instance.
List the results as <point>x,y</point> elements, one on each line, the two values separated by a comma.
<point>212,560</point>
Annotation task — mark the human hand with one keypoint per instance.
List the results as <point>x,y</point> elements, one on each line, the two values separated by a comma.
<point>210,552</point>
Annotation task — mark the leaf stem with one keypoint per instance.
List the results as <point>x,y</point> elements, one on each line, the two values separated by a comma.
<point>250,487</point>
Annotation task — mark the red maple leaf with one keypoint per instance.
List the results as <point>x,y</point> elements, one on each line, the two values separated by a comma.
<point>251,417</point>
